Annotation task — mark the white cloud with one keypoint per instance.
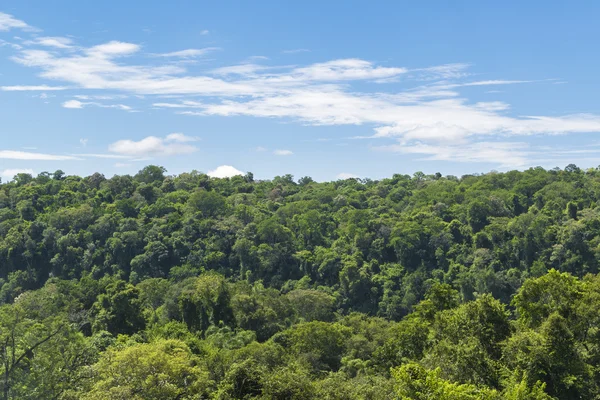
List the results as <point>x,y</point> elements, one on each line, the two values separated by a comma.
<point>248,69</point>
<point>24,155</point>
<point>12,45</point>
<point>443,119</point>
<point>9,173</point>
<point>346,175</point>
<point>8,22</point>
<point>117,106</point>
<point>109,156</point>
<point>345,69</point>
<point>153,146</point>
<point>283,152</point>
<point>31,88</point>
<point>224,171</point>
<point>189,53</point>
<point>56,41</point>
<point>445,71</point>
<point>180,137</point>
<point>83,142</point>
<point>99,97</point>
<point>73,104</point>
<point>492,83</point>
<point>183,104</point>
<point>113,49</point>
<point>204,32</point>
<point>96,68</point>
<point>78,105</point>
<point>260,149</point>
<point>506,154</point>
<point>122,165</point>
<point>191,113</point>
<point>492,105</point>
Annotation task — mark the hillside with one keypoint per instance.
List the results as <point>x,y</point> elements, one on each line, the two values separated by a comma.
<point>412,287</point>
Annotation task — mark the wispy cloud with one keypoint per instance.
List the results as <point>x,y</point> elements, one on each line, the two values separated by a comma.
<point>180,138</point>
<point>445,71</point>
<point>189,53</point>
<point>101,155</point>
<point>248,69</point>
<point>8,22</point>
<point>505,154</point>
<point>99,97</point>
<point>52,41</point>
<point>25,155</point>
<point>38,88</point>
<point>10,44</point>
<point>491,82</point>
<point>182,104</point>
<point>283,152</point>
<point>76,104</point>
<point>171,145</point>
<point>346,69</point>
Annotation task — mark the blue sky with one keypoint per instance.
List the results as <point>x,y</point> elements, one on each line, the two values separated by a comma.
<point>325,89</point>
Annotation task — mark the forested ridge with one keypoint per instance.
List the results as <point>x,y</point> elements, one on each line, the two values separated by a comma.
<point>155,286</point>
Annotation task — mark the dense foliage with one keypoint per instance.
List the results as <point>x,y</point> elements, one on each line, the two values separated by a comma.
<point>188,287</point>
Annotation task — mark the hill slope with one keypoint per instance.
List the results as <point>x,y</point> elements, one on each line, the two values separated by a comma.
<point>236,288</point>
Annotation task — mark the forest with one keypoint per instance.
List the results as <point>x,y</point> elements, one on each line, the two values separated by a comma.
<point>156,286</point>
